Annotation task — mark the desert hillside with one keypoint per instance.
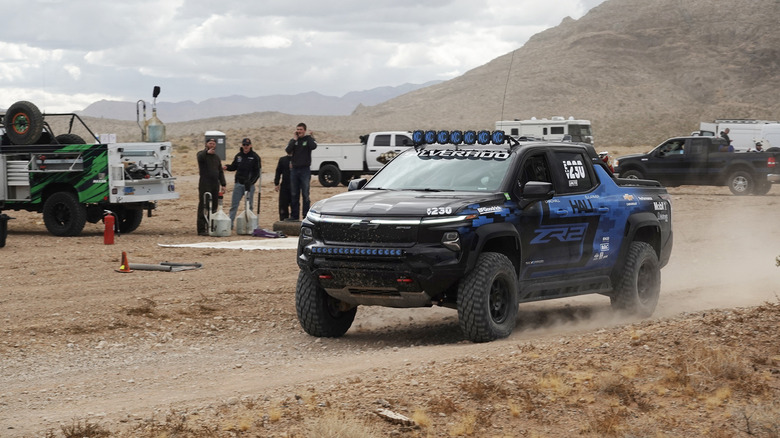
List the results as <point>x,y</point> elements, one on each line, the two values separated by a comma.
<point>640,71</point>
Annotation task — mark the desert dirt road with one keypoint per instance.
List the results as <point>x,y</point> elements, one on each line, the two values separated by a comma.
<point>82,341</point>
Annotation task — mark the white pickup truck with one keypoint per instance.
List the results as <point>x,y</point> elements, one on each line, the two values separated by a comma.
<point>335,163</point>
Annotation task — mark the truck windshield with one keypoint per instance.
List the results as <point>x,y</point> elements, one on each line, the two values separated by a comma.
<point>458,170</point>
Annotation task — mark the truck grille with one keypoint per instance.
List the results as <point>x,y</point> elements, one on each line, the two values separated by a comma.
<point>402,232</point>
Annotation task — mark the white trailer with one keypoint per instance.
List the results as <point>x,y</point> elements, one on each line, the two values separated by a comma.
<point>744,133</point>
<point>554,129</point>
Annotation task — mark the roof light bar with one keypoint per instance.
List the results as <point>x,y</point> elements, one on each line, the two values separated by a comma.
<point>421,137</point>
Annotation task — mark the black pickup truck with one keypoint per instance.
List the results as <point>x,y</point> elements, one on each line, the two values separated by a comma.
<point>481,228</point>
<point>700,160</point>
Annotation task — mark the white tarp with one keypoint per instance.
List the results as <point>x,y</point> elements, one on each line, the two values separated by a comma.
<point>281,243</point>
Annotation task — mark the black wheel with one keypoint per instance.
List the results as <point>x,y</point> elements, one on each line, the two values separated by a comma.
<point>63,215</point>
<point>632,174</point>
<point>487,299</point>
<point>70,139</point>
<point>345,177</point>
<point>128,220</point>
<point>320,314</point>
<point>762,189</point>
<point>23,123</point>
<point>329,175</point>
<point>741,183</point>
<point>639,284</point>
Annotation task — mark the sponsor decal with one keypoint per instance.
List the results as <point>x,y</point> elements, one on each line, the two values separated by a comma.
<point>581,206</point>
<point>631,204</point>
<point>573,183</point>
<point>534,262</point>
<point>663,217</point>
<point>99,181</point>
<point>561,233</point>
<point>494,209</point>
<point>659,206</point>
<point>600,256</point>
<point>604,247</point>
<point>448,153</point>
<point>645,198</point>
<point>628,197</point>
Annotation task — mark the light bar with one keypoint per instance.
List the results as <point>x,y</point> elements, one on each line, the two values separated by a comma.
<point>421,137</point>
<point>351,251</point>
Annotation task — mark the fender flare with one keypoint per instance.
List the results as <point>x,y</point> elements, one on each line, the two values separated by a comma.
<point>636,223</point>
<point>487,233</point>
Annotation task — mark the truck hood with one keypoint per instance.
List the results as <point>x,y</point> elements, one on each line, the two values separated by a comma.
<point>402,203</point>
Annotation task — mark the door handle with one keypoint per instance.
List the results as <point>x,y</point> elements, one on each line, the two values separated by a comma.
<point>603,209</point>
<point>562,212</point>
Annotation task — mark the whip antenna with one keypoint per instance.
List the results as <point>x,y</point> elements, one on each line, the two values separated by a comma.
<point>506,86</point>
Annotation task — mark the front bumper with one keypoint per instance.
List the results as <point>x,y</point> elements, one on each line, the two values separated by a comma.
<point>416,276</point>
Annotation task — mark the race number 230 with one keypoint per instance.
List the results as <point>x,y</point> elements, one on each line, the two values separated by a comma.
<point>438,211</point>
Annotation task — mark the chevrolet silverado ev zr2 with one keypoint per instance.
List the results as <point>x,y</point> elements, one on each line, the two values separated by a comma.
<point>478,222</point>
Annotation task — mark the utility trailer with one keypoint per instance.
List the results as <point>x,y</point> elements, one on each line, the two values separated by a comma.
<point>71,182</point>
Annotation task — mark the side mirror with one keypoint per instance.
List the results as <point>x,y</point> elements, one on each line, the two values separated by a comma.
<point>356,184</point>
<point>536,191</point>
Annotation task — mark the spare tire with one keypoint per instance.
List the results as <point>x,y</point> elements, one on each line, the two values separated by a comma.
<point>70,139</point>
<point>23,123</point>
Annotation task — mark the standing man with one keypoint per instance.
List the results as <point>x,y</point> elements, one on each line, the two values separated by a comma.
<point>212,180</point>
<point>247,166</point>
<point>282,185</point>
<point>725,134</point>
<point>299,148</point>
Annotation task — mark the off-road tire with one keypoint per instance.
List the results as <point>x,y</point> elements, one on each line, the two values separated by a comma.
<point>762,188</point>
<point>23,123</point>
<point>64,215</point>
<point>639,284</point>
<point>128,220</point>
<point>741,183</point>
<point>487,299</point>
<point>70,139</point>
<point>345,178</point>
<point>632,174</point>
<point>329,175</point>
<point>318,313</point>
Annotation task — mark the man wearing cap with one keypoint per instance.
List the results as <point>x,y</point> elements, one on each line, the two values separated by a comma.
<point>247,166</point>
<point>212,180</point>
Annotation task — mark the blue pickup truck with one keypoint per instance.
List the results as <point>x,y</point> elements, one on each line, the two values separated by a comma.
<point>481,228</point>
<point>700,160</point>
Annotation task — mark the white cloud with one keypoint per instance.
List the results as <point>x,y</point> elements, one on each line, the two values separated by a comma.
<point>196,51</point>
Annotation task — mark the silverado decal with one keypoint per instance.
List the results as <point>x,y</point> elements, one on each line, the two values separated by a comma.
<point>498,155</point>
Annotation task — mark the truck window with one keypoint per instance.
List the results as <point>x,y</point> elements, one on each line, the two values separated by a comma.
<point>403,140</point>
<point>556,130</point>
<point>698,146</point>
<point>382,140</point>
<point>535,168</point>
<point>575,173</point>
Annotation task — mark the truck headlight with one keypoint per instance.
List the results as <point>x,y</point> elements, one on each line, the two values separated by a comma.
<point>451,241</point>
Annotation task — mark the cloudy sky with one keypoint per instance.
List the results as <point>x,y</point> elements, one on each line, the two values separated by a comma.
<point>65,54</point>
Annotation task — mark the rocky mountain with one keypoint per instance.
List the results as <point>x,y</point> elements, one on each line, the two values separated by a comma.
<point>305,103</point>
<point>640,71</point>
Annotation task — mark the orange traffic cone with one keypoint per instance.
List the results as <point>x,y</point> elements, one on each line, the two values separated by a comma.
<point>125,267</point>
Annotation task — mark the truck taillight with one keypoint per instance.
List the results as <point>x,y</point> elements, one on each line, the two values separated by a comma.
<point>771,162</point>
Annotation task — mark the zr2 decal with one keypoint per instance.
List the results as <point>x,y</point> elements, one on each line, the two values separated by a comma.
<point>561,233</point>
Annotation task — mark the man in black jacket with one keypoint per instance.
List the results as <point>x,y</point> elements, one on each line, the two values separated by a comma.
<point>282,185</point>
<point>300,147</point>
<point>247,166</point>
<point>212,180</point>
